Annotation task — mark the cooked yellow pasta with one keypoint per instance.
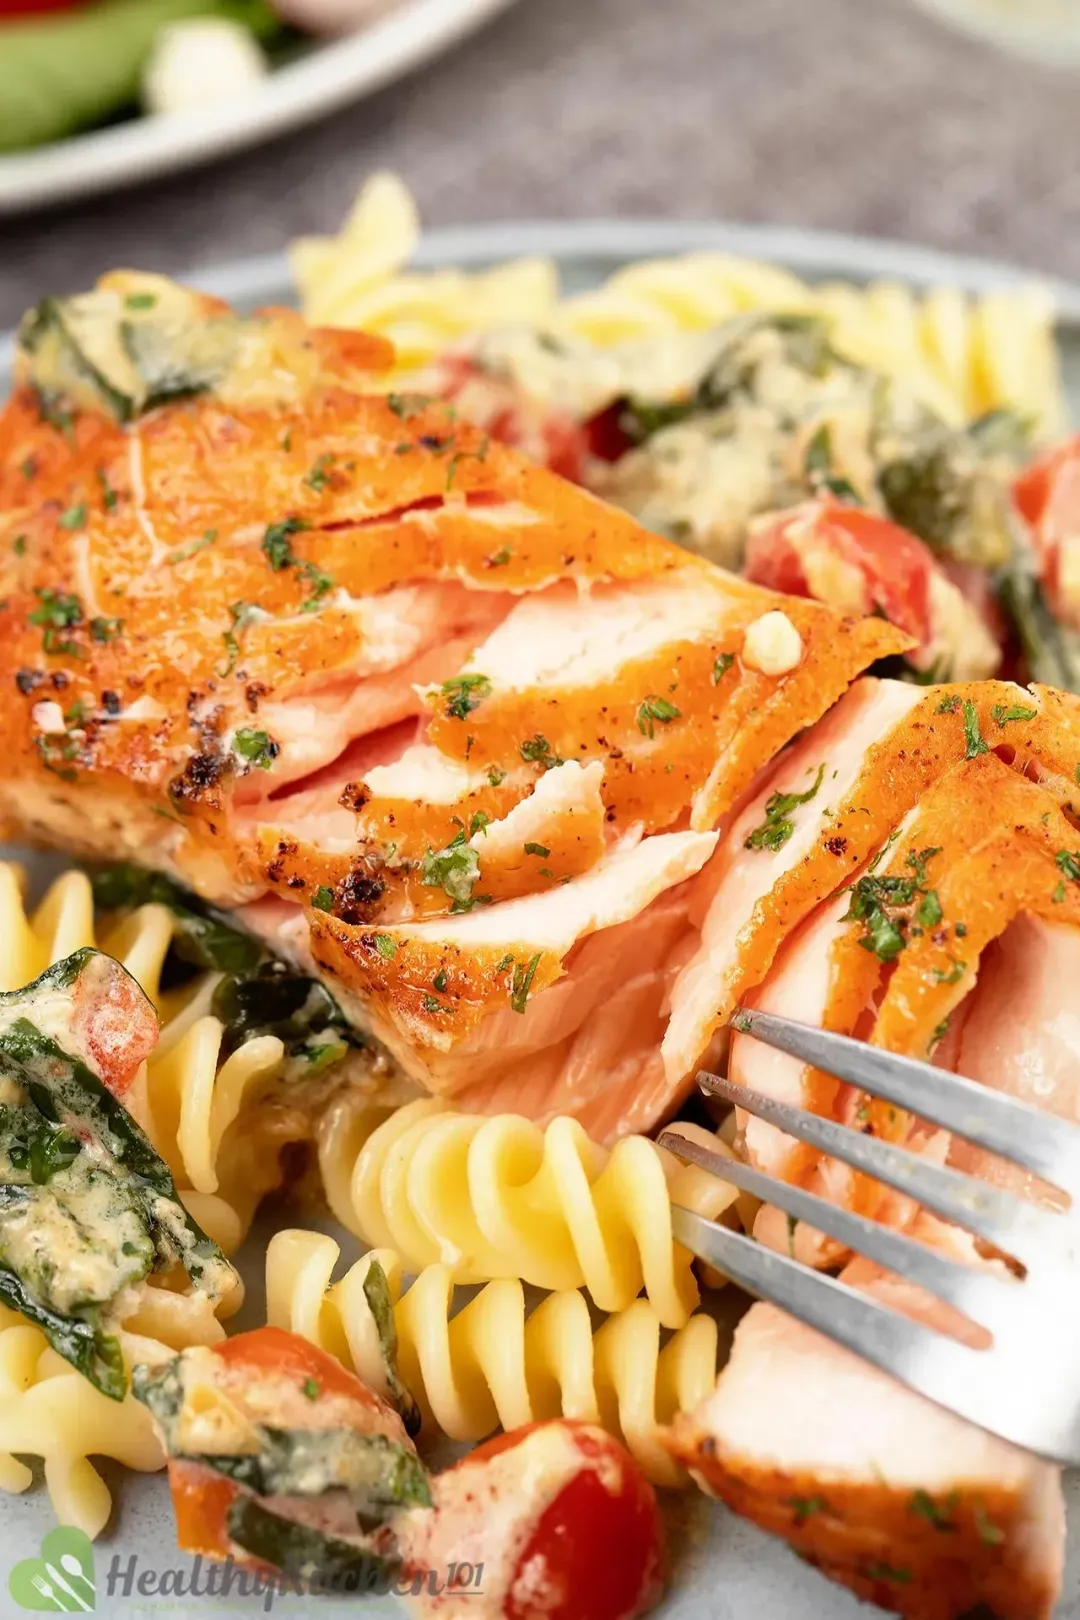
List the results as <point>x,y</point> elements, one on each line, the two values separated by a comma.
<point>501,1198</point>
<point>490,1365</point>
<point>356,279</point>
<point>963,354</point>
<point>186,1099</point>
<point>49,1410</point>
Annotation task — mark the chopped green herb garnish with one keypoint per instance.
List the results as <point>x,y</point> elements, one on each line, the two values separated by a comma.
<point>806,1506</point>
<point>56,611</point>
<point>108,494</point>
<point>323,898</point>
<point>258,748</point>
<point>1059,893</point>
<point>430,1005</point>
<point>243,614</point>
<point>975,744</point>
<point>507,962</point>
<point>886,1572</point>
<point>1003,716</point>
<point>196,545</point>
<point>495,776</point>
<point>537,849</point>
<point>989,1533</point>
<point>407,406</point>
<point>386,946</point>
<point>498,559</point>
<point>455,870</point>
<point>819,467</point>
<point>778,827</point>
<point>74,517</point>
<point>536,750</point>
<point>311,1389</point>
<point>721,667</point>
<point>439,981</point>
<point>1069,862</point>
<point>479,823</point>
<point>923,1504</point>
<point>18,545</point>
<point>464,693</point>
<point>948,705</point>
<point>651,710</point>
<point>140,301</point>
<point>319,476</point>
<point>951,975</point>
<point>929,912</point>
<point>102,629</point>
<point>524,973</point>
<point>277,543</point>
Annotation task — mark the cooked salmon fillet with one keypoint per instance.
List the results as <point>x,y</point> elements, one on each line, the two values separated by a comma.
<point>845,787</point>
<point>430,718</point>
<point>957,938</point>
<point>911,1507</point>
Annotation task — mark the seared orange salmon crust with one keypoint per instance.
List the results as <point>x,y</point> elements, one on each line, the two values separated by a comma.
<point>447,727</point>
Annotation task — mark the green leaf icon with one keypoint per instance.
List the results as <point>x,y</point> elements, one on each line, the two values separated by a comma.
<point>61,1581</point>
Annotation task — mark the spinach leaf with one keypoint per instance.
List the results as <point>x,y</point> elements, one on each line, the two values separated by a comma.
<point>304,1553</point>
<point>205,938</point>
<point>87,1206</point>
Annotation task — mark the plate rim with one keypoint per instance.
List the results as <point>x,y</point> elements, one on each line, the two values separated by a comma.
<point>816,255</point>
<point>336,73</point>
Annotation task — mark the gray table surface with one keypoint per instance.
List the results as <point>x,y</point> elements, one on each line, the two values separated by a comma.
<point>861,115</point>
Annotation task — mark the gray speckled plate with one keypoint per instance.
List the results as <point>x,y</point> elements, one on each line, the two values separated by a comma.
<point>724,1568</point>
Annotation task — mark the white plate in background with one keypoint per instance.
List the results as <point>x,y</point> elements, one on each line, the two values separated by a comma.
<point>329,76</point>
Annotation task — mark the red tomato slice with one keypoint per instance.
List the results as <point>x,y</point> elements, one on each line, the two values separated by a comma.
<point>1032,487</point>
<point>848,557</point>
<point>274,1350</point>
<point>1047,495</point>
<point>595,1551</point>
<point>201,1501</point>
<point>201,1497</point>
<point>551,437</point>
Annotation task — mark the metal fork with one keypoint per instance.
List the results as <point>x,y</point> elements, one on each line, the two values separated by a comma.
<point>1025,1384</point>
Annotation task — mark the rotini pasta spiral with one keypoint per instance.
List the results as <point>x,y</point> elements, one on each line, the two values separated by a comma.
<point>490,1364</point>
<point>962,354</point>
<point>500,1198</point>
<point>355,280</point>
<point>187,1100</point>
<point>49,1410</point>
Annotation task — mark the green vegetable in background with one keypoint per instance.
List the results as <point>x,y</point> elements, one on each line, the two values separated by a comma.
<point>60,74</point>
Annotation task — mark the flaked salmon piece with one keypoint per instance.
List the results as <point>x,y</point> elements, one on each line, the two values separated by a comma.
<point>911,1507</point>
<point>882,747</point>
<point>895,959</point>
<point>558,832</point>
<point>596,1053</point>
<point>652,678</point>
<point>1021,1034</point>
<point>427,989</point>
<point>206,598</point>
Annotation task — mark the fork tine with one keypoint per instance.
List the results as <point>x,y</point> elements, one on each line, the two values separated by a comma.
<point>1040,1142</point>
<point>948,1372</point>
<point>982,1295</point>
<point>1009,1224</point>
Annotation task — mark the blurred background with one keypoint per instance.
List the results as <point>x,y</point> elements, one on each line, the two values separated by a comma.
<point>873,116</point>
